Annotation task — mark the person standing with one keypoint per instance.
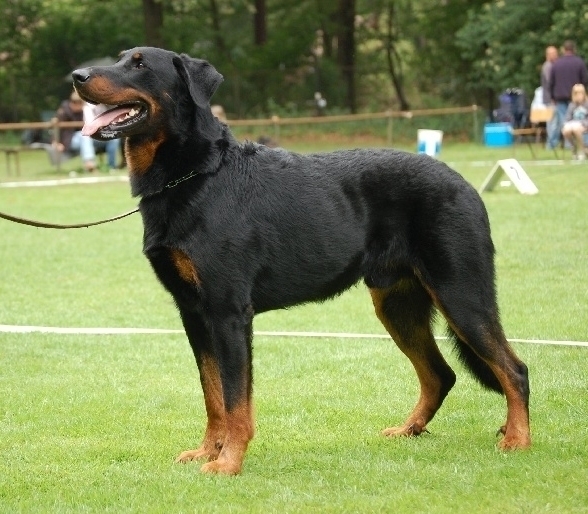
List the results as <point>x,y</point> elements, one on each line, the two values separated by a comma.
<point>545,98</point>
<point>550,57</point>
<point>566,71</point>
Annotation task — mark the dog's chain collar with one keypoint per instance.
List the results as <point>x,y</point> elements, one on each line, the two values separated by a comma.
<point>172,184</point>
<point>177,181</point>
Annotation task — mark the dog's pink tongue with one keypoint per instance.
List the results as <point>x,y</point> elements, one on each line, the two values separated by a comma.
<point>106,118</point>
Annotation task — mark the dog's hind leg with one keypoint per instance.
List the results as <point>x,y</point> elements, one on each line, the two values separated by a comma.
<point>483,348</point>
<point>406,311</point>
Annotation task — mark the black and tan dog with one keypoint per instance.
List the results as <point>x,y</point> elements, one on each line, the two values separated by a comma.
<point>234,229</point>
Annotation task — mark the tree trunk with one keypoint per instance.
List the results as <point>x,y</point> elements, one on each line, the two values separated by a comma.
<point>346,49</point>
<point>260,23</point>
<point>393,58</point>
<point>153,14</point>
<point>218,37</point>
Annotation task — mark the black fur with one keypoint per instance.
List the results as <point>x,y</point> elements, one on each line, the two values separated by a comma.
<point>234,229</point>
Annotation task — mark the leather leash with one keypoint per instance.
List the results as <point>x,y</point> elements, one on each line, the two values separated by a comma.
<point>41,224</point>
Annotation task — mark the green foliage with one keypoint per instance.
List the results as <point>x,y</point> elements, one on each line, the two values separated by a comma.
<point>280,71</point>
<point>571,22</point>
<point>44,41</point>
<point>457,51</point>
<point>504,42</point>
<point>73,36</point>
<point>19,19</point>
<point>437,61</point>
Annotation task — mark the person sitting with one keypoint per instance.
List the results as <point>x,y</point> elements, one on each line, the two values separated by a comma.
<point>72,142</point>
<point>576,121</point>
<point>68,142</point>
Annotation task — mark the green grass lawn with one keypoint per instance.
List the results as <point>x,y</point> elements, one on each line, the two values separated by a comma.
<point>92,423</point>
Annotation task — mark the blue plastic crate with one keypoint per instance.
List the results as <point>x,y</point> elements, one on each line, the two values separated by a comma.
<point>498,134</point>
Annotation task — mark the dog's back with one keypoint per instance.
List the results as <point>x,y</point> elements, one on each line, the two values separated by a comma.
<point>323,221</point>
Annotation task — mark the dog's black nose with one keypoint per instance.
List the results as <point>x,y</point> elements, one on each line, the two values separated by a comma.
<point>81,75</point>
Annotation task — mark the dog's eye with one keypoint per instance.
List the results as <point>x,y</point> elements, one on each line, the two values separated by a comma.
<point>139,65</point>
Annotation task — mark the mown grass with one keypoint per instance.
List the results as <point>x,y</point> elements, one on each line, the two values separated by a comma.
<point>93,423</point>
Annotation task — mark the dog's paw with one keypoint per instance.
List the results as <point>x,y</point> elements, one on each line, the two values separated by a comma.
<point>222,467</point>
<point>516,442</point>
<point>513,439</point>
<point>411,430</point>
<point>198,454</point>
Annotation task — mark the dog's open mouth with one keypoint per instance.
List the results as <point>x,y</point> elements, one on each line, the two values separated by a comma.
<point>115,121</point>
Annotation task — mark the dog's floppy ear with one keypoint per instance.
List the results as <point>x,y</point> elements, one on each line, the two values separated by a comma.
<point>200,76</point>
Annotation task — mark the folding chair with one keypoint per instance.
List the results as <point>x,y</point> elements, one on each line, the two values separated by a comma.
<point>539,117</point>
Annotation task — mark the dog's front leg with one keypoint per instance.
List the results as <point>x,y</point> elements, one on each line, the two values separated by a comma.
<point>215,432</point>
<point>210,380</point>
<point>232,344</point>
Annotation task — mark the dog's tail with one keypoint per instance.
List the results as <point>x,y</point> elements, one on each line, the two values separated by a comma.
<point>475,365</point>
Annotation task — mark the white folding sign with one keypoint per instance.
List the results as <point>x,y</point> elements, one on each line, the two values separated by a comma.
<point>515,172</point>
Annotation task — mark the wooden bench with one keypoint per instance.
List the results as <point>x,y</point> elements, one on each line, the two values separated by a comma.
<point>12,156</point>
<point>12,152</point>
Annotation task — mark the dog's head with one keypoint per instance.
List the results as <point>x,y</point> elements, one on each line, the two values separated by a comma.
<point>149,91</point>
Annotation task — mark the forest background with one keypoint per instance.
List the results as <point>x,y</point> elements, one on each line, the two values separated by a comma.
<point>361,55</point>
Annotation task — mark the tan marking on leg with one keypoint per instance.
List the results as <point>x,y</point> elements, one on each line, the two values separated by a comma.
<point>216,427</point>
<point>516,430</point>
<point>185,267</point>
<point>240,429</point>
<point>420,352</point>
